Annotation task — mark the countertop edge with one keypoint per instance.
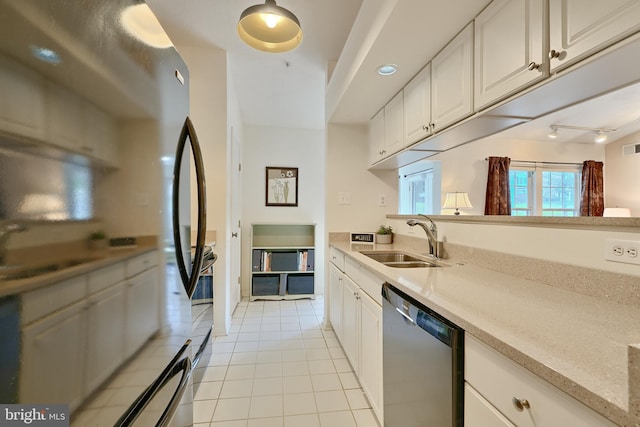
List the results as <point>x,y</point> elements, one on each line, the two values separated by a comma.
<point>103,259</point>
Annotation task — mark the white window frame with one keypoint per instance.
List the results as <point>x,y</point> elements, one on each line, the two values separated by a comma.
<point>408,175</point>
<point>535,186</point>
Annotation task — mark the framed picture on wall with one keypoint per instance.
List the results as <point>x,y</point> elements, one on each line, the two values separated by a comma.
<point>282,186</point>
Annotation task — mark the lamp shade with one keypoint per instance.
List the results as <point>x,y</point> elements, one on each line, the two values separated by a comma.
<point>270,28</point>
<point>457,200</point>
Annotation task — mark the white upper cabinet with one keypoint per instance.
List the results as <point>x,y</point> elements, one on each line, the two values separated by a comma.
<point>417,107</point>
<point>22,110</point>
<point>100,139</point>
<point>376,137</point>
<point>509,49</point>
<point>393,123</point>
<point>64,118</point>
<point>579,28</point>
<point>451,81</point>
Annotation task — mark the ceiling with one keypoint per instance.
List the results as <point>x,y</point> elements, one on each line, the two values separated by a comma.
<point>290,89</point>
<point>293,89</point>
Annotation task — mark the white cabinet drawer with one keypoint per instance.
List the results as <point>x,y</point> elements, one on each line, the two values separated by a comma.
<point>44,301</point>
<point>371,283</point>
<point>141,263</point>
<point>105,277</point>
<point>337,258</point>
<point>499,380</point>
<point>352,269</point>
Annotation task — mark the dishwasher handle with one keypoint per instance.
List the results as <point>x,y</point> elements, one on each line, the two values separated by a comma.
<point>419,315</point>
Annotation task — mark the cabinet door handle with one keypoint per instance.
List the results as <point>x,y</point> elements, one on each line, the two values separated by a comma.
<point>520,404</point>
<point>234,234</point>
<point>555,54</point>
<point>533,66</point>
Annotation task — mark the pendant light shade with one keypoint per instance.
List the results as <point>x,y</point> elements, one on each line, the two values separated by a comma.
<point>270,28</point>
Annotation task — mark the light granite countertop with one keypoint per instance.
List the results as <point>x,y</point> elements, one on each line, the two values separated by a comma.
<point>93,261</point>
<point>584,345</point>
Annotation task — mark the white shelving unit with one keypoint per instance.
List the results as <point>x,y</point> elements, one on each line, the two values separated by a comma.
<point>283,261</point>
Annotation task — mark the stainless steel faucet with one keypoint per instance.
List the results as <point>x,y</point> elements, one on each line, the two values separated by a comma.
<point>5,232</point>
<point>432,233</point>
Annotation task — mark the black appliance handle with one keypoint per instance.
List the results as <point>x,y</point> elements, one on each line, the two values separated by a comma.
<point>203,347</point>
<point>174,367</point>
<point>189,281</point>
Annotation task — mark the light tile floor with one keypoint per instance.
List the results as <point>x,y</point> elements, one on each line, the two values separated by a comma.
<point>278,367</point>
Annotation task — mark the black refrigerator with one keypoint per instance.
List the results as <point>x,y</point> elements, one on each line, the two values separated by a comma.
<point>99,163</point>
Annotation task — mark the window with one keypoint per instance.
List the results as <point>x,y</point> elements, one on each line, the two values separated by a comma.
<point>544,189</point>
<point>419,188</point>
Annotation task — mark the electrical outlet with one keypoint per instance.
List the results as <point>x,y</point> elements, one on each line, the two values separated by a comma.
<point>382,200</point>
<point>622,251</point>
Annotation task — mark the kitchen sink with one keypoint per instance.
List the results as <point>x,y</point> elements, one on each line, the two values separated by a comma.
<point>29,271</point>
<point>400,259</point>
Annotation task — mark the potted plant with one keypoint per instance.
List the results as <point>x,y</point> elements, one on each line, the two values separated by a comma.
<point>384,235</point>
<point>98,240</point>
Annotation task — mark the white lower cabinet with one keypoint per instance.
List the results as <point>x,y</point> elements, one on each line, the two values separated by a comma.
<point>141,310</point>
<point>480,413</point>
<point>359,316</point>
<point>335,299</point>
<point>517,394</point>
<point>370,372</point>
<point>86,326</point>
<point>58,378</point>
<point>105,335</point>
<point>350,321</point>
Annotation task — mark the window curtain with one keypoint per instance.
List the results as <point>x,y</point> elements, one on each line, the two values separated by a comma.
<point>592,194</point>
<point>498,198</point>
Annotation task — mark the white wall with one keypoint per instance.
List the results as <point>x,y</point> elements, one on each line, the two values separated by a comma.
<point>208,111</point>
<point>583,248</point>
<point>465,168</point>
<point>622,176</point>
<point>130,198</point>
<point>347,162</point>
<point>269,146</point>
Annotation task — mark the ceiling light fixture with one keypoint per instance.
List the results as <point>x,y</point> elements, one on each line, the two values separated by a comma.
<point>387,69</point>
<point>600,132</point>
<point>270,28</point>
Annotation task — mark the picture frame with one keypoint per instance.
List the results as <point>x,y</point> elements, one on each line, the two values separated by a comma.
<point>281,186</point>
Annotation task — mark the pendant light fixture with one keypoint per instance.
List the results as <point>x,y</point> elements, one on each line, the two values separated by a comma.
<point>270,28</point>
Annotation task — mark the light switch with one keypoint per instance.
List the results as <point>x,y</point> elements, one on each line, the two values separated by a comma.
<point>344,198</point>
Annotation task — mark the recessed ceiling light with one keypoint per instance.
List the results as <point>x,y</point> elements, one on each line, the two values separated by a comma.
<point>45,54</point>
<point>387,69</point>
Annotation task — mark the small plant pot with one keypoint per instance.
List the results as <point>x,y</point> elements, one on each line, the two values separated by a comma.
<point>384,239</point>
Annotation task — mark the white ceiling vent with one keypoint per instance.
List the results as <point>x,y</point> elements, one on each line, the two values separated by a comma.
<point>630,149</point>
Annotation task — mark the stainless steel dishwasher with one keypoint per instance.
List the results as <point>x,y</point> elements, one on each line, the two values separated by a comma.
<point>423,364</point>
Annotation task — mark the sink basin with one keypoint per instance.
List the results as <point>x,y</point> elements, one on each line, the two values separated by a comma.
<point>390,256</point>
<point>400,259</point>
